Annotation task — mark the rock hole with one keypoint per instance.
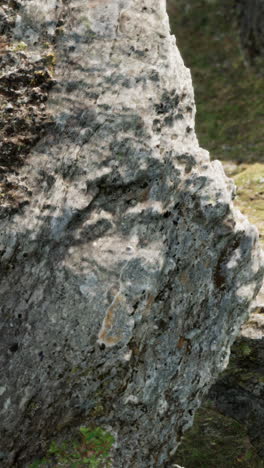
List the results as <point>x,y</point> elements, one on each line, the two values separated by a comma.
<point>13,348</point>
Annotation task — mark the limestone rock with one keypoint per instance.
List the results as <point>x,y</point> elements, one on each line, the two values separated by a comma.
<point>126,272</point>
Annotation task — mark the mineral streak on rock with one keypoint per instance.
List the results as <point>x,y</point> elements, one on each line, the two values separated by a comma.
<point>128,274</point>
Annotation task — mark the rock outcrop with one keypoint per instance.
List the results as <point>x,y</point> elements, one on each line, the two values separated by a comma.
<point>126,271</point>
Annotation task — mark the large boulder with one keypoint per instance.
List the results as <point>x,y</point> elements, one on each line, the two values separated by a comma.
<point>126,271</point>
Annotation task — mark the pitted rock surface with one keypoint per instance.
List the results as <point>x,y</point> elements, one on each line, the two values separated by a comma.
<point>128,273</point>
<point>25,79</point>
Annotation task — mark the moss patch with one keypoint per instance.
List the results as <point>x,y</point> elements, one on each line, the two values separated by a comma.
<point>91,449</point>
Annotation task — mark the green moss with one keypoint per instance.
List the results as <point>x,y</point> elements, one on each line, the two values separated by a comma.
<point>20,46</point>
<point>50,59</point>
<point>39,463</point>
<point>91,449</point>
<point>245,350</point>
<point>84,20</point>
<point>98,411</point>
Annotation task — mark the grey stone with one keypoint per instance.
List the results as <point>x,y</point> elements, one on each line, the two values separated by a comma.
<point>127,273</point>
<point>9,108</point>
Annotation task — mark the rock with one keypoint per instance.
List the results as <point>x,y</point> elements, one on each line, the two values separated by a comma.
<point>26,78</point>
<point>131,271</point>
<point>9,107</point>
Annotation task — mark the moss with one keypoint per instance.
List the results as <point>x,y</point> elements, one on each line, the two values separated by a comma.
<point>20,46</point>
<point>244,350</point>
<point>50,59</point>
<point>98,411</point>
<point>92,448</point>
<point>84,20</point>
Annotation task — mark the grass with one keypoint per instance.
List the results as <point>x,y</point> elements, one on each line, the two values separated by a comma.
<point>205,447</point>
<point>250,191</point>
<point>228,93</point>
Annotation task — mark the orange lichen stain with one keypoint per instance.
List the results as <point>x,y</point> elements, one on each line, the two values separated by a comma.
<point>184,341</point>
<point>109,318</point>
<point>181,342</point>
<point>184,277</point>
<point>108,324</point>
<point>3,45</point>
<point>149,303</point>
<point>111,340</point>
<point>144,195</point>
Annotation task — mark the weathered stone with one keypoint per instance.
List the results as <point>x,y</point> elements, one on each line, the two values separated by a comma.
<point>25,80</point>
<point>130,270</point>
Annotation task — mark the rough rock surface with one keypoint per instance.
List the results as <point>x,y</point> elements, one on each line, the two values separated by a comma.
<point>25,79</point>
<point>130,271</point>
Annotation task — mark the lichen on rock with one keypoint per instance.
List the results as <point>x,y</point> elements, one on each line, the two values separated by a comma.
<point>132,270</point>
